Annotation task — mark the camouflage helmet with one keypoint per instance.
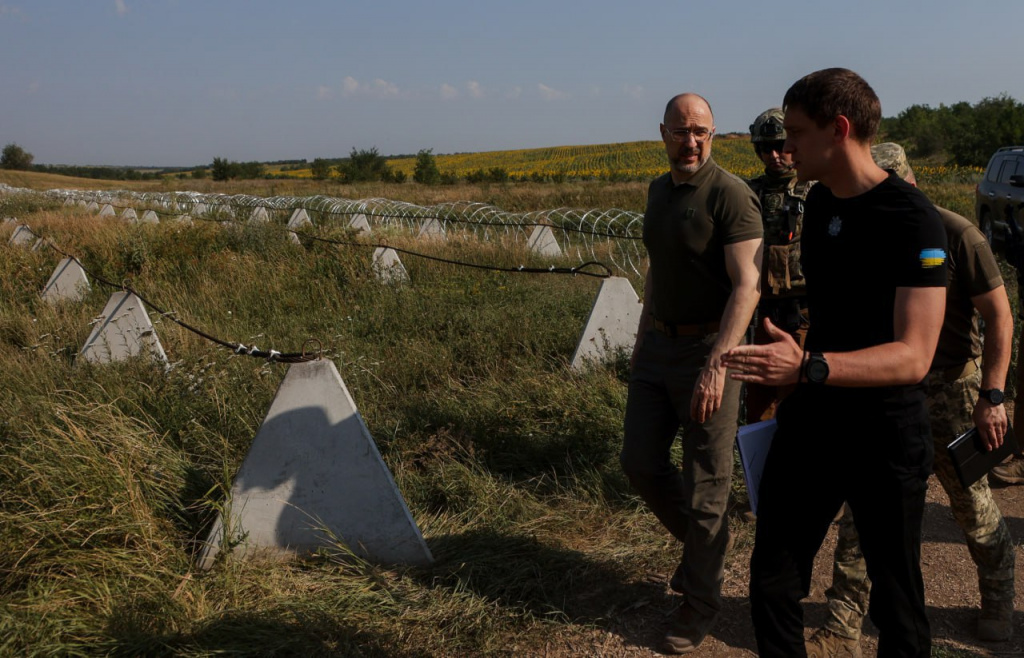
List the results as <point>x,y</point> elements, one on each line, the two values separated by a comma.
<point>767,127</point>
<point>890,155</point>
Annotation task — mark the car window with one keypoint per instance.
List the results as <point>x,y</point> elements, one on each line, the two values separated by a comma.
<point>993,169</point>
<point>1008,168</point>
<point>1020,166</point>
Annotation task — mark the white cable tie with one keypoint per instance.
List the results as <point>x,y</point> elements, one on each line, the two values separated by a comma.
<point>273,355</point>
<point>253,349</point>
<point>241,349</point>
<point>551,268</point>
<point>521,268</point>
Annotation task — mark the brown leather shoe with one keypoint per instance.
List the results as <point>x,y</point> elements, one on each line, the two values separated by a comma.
<point>688,630</point>
<point>995,622</point>
<point>826,644</point>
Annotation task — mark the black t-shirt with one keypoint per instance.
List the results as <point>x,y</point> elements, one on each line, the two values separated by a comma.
<point>857,252</point>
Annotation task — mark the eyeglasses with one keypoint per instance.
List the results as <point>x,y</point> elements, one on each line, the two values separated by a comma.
<point>768,147</point>
<point>699,135</point>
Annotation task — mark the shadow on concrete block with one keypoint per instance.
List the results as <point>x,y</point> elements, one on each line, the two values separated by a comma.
<point>122,331</point>
<point>313,478</point>
<point>612,323</point>
<point>67,283</point>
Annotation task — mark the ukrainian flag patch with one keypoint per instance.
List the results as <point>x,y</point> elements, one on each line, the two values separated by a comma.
<point>933,258</point>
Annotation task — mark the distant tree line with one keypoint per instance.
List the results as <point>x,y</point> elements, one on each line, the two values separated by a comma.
<point>963,134</point>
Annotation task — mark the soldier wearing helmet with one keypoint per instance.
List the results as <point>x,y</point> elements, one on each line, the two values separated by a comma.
<point>782,207</point>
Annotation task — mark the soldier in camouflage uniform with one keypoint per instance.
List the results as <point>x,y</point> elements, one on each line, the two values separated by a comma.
<point>975,287</point>
<point>783,290</point>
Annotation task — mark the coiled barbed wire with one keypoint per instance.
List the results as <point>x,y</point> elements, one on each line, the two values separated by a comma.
<point>588,234</point>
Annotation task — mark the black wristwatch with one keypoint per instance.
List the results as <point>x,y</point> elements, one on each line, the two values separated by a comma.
<point>816,370</point>
<point>993,395</point>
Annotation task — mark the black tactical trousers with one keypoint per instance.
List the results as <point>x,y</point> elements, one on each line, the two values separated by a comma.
<point>834,445</point>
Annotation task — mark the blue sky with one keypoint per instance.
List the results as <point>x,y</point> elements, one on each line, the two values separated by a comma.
<point>179,82</point>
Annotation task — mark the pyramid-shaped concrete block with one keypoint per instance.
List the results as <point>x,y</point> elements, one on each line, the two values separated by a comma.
<point>22,237</point>
<point>297,222</point>
<point>612,323</point>
<point>182,219</point>
<point>299,219</point>
<point>149,217</point>
<point>129,215</point>
<point>360,224</point>
<point>108,211</point>
<point>69,201</point>
<point>259,215</point>
<point>387,266</point>
<point>42,243</point>
<point>67,283</point>
<point>82,203</point>
<point>542,241</point>
<point>122,331</point>
<point>314,475</point>
<point>431,229</point>
<point>92,206</point>
<point>10,220</point>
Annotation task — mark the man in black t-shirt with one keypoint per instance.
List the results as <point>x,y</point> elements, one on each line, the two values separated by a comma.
<point>856,428</point>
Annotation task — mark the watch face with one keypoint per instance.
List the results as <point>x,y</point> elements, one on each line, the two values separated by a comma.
<point>817,371</point>
<point>995,396</point>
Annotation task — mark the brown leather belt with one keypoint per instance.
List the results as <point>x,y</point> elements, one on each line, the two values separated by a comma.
<point>959,372</point>
<point>701,329</point>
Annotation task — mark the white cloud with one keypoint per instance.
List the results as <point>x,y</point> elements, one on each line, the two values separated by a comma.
<point>122,8</point>
<point>323,93</point>
<point>633,91</point>
<point>448,92</point>
<point>376,89</point>
<point>474,88</point>
<point>550,93</point>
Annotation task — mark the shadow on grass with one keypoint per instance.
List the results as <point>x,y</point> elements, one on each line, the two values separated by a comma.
<point>562,585</point>
<point>142,628</point>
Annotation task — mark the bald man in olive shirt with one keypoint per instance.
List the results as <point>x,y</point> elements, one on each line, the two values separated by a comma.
<point>703,233</point>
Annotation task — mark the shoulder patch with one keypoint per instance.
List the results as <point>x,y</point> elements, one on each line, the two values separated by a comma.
<point>933,258</point>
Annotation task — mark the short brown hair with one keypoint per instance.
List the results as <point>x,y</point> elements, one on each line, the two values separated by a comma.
<point>829,93</point>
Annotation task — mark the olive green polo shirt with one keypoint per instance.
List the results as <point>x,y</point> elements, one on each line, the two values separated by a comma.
<point>972,271</point>
<point>686,229</point>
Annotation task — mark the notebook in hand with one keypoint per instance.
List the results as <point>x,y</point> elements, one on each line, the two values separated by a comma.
<point>970,458</point>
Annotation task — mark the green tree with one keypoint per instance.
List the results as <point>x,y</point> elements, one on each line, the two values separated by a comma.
<point>15,157</point>
<point>321,168</point>
<point>222,169</point>
<point>426,171</point>
<point>363,165</point>
<point>994,122</point>
<point>251,170</point>
<point>199,173</point>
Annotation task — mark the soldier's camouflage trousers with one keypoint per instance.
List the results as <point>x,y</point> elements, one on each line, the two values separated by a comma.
<point>988,539</point>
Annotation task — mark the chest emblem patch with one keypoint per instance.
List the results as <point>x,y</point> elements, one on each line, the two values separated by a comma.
<point>834,226</point>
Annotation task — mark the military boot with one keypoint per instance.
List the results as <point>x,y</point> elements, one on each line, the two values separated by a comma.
<point>995,622</point>
<point>1011,472</point>
<point>688,630</point>
<point>826,644</point>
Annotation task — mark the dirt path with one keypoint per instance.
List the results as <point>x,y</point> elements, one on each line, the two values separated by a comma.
<point>950,581</point>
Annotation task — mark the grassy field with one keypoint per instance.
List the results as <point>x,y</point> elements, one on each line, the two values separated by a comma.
<point>110,476</point>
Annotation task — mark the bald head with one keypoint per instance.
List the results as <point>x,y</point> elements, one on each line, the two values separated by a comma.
<point>686,105</point>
